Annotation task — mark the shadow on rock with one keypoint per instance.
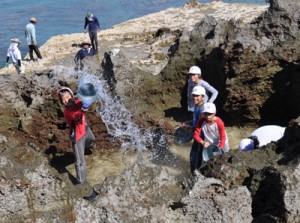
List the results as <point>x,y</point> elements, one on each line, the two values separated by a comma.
<point>178,114</point>
<point>61,161</point>
<point>268,200</point>
<point>289,145</point>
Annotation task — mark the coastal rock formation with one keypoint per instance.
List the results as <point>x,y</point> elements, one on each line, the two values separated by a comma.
<point>152,193</point>
<point>249,53</point>
<point>253,65</point>
<point>270,173</point>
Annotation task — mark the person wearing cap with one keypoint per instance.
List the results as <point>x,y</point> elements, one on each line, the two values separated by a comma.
<point>210,130</point>
<point>195,79</point>
<point>85,51</point>
<point>198,95</point>
<point>30,36</point>
<point>14,53</point>
<point>261,137</point>
<point>92,22</point>
<point>80,134</point>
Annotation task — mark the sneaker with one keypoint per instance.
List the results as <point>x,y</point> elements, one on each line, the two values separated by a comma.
<point>91,197</point>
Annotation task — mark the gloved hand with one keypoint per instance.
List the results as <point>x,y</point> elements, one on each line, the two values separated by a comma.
<point>85,105</point>
<point>7,65</point>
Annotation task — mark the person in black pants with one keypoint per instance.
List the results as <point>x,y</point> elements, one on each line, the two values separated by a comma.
<point>36,50</point>
<point>31,39</point>
<point>94,27</point>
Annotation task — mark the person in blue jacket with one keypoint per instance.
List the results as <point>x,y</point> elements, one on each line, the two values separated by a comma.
<point>94,27</point>
<point>85,51</point>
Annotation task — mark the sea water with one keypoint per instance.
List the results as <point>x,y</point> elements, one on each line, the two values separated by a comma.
<point>56,17</point>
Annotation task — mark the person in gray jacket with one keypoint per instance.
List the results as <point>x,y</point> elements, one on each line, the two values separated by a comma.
<point>195,79</point>
<point>30,36</point>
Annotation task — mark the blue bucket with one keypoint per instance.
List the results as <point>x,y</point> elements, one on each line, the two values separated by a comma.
<point>184,134</point>
<point>87,91</point>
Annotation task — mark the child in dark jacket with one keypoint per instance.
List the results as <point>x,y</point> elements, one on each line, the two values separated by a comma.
<point>81,135</point>
<point>85,51</point>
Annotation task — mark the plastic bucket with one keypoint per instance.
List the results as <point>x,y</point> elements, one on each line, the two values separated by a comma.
<point>184,134</point>
<point>87,91</point>
<point>210,152</point>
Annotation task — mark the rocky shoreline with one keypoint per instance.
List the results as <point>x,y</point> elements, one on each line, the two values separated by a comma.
<point>248,52</point>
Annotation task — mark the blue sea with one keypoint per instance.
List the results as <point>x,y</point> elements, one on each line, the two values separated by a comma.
<point>56,17</point>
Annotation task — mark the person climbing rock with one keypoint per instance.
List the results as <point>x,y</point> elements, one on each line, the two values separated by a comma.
<point>94,27</point>
<point>261,137</point>
<point>195,79</point>
<point>14,53</point>
<point>80,134</point>
<point>30,36</point>
<point>85,51</point>
<point>210,134</point>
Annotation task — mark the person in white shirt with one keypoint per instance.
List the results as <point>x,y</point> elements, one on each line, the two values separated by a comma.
<point>14,53</point>
<point>261,137</point>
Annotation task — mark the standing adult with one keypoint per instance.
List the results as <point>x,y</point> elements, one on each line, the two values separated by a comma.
<point>195,79</point>
<point>261,137</point>
<point>92,22</point>
<point>30,36</point>
<point>14,53</point>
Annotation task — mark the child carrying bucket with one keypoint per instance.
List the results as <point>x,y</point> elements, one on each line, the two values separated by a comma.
<point>215,140</point>
<point>80,134</point>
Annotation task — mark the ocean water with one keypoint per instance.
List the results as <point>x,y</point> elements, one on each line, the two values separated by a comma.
<point>56,17</point>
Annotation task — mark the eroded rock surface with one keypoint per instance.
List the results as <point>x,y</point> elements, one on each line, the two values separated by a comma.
<point>153,194</point>
<point>270,173</point>
<point>249,53</point>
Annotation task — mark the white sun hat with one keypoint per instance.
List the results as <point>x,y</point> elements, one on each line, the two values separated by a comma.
<point>198,90</point>
<point>195,70</point>
<point>209,107</point>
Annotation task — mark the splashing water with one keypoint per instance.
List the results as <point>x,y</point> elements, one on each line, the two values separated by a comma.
<point>118,119</point>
